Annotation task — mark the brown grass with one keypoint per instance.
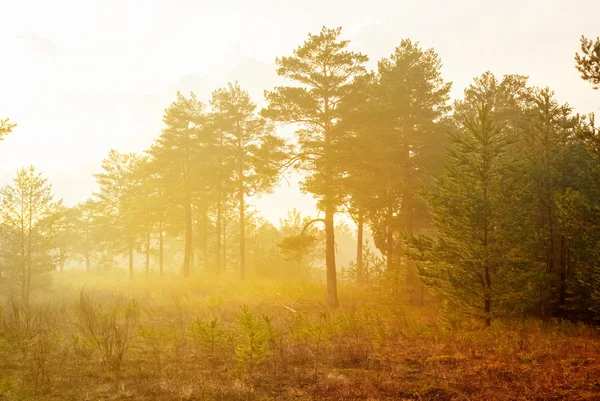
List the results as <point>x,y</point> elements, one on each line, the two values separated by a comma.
<point>370,349</point>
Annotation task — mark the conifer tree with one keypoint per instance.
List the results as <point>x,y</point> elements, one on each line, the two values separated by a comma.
<point>255,152</point>
<point>588,62</point>
<point>179,154</point>
<point>120,228</point>
<point>324,68</point>
<point>29,216</point>
<point>87,235</point>
<point>548,135</point>
<point>475,210</point>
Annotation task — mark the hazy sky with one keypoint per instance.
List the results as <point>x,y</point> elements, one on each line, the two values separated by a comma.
<point>81,77</point>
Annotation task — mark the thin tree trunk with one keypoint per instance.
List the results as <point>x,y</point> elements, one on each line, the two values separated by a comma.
<point>218,235</point>
<point>204,239</point>
<point>24,262</point>
<point>332,298</point>
<point>29,235</point>
<point>360,274</point>
<point>390,239</point>
<point>487,306</point>
<point>192,253</point>
<point>87,248</point>
<point>224,245</point>
<point>564,247</point>
<point>130,261</point>
<point>160,248</point>
<point>487,288</point>
<point>242,235</point>
<point>147,252</point>
<point>188,239</point>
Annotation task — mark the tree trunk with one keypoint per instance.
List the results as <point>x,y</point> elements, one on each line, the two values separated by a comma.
<point>192,253</point>
<point>28,290</point>
<point>24,264</point>
<point>130,261</point>
<point>390,239</point>
<point>87,247</point>
<point>242,235</point>
<point>360,274</point>
<point>204,239</point>
<point>564,249</point>
<point>224,245</point>
<point>487,307</point>
<point>147,253</point>
<point>160,248</point>
<point>188,239</point>
<point>218,235</point>
<point>332,298</point>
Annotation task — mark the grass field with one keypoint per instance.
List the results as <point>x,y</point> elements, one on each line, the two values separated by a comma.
<point>208,339</point>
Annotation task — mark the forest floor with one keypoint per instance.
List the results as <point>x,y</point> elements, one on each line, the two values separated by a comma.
<point>173,339</point>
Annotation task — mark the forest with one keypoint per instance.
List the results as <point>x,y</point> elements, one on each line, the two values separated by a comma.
<point>455,254</point>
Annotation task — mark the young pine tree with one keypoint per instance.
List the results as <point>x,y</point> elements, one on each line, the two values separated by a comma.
<point>475,215</point>
<point>29,217</point>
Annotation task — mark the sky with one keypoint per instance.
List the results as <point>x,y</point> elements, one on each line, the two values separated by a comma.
<point>83,77</point>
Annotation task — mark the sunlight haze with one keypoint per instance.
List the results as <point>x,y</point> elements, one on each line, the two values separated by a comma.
<point>82,77</point>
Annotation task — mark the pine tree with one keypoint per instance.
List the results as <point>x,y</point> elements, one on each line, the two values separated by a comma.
<point>29,215</point>
<point>411,100</point>
<point>180,155</point>
<point>325,69</point>
<point>87,235</point>
<point>475,211</point>
<point>118,201</point>
<point>255,152</point>
<point>549,137</point>
<point>588,62</point>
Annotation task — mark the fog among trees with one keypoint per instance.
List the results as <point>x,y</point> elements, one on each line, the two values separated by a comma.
<point>439,216</point>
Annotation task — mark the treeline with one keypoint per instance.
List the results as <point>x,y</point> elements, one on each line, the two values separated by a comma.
<point>492,200</point>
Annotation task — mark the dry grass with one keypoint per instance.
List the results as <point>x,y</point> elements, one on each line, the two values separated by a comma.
<point>190,340</point>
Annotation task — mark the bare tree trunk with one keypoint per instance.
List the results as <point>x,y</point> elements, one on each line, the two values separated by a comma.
<point>360,274</point>
<point>204,239</point>
<point>564,265</point>
<point>225,244</point>
<point>24,264</point>
<point>188,239</point>
<point>218,235</point>
<point>192,253</point>
<point>130,261</point>
<point>29,235</point>
<point>487,297</point>
<point>87,247</point>
<point>160,248</point>
<point>147,252</point>
<point>242,235</point>
<point>332,298</point>
<point>390,239</point>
